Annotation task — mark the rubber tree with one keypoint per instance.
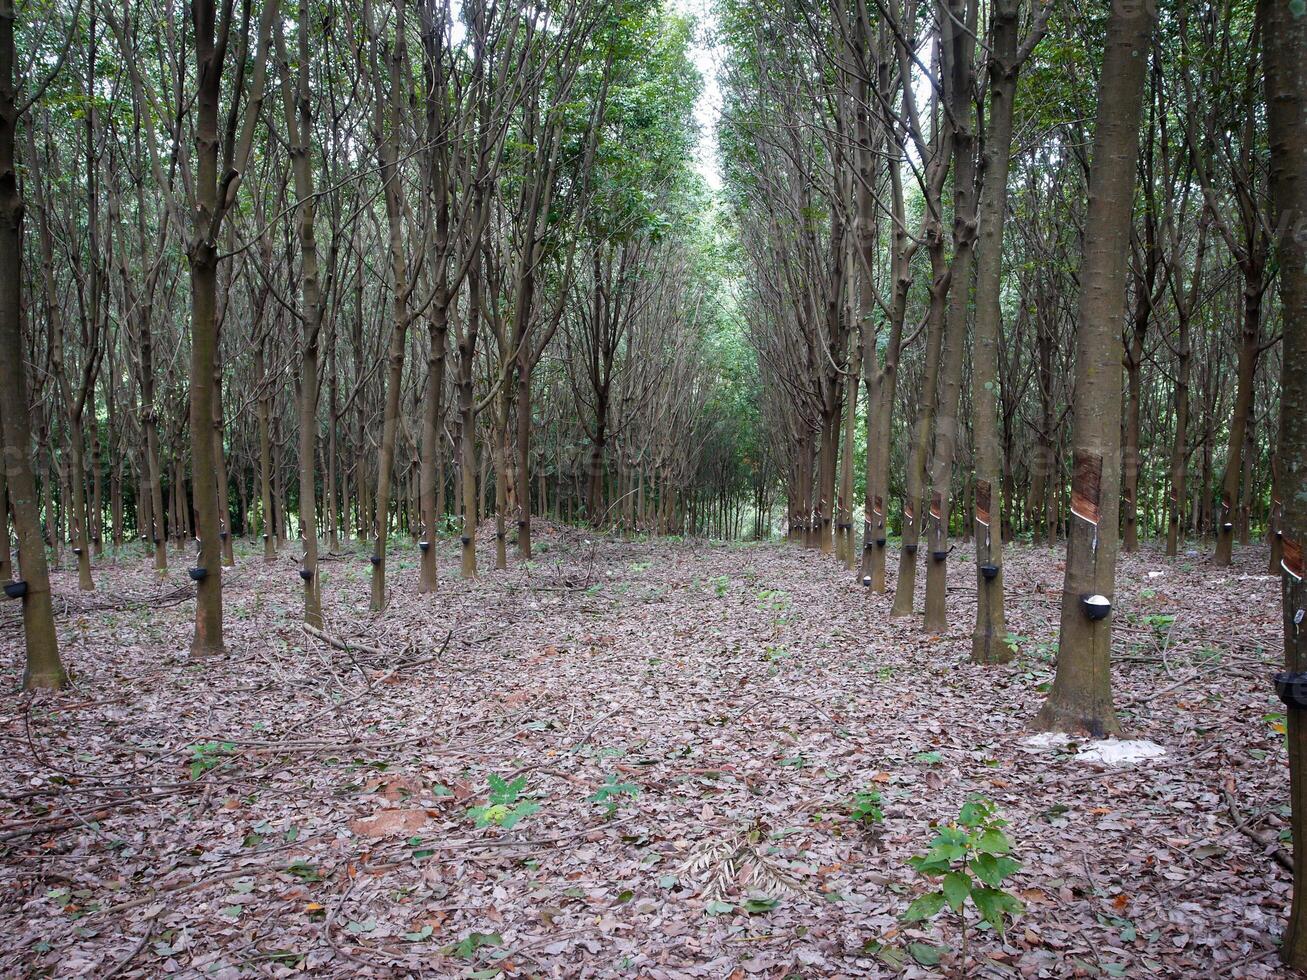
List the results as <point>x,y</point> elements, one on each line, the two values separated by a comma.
<point>1081,697</point>
<point>73,398</point>
<point>1226,116</point>
<point>957,45</point>
<point>1008,52</point>
<point>297,108</point>
<point>386,123</point>
<point>213,198</point>
<point>43,668</point>
<point>880,363</point>
<point>938,153</point>
<point>1186,300</point>
<point>1284,41</point>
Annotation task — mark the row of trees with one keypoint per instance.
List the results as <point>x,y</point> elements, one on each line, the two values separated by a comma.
<point>441,262</point>
<point>1042,325</point>
<point>969,307</point>
<point>912,187</point>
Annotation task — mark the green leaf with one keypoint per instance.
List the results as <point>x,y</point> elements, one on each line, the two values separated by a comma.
<point>956,887</point>
<point>929,865</point>
<point>946,853</point>
<point>417,937</point>
<point>719,908</point>
<point>366,925</point>
<point>993,904</point>
<point>973,813</point>
<point>474,941</point>
<point>924,907</point>
<point>517,813</point>
<point>993,841</point>
<point>927,955</point>
<point>992,870</point>
<point>755,906</point>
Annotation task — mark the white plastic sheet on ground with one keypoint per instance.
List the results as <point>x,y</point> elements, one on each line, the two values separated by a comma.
<point>1109,751</point>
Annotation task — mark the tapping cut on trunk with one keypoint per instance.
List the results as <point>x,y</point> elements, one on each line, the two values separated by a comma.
<point>1291,558</point>
<point>1086,486</point>
<point>982,503</point>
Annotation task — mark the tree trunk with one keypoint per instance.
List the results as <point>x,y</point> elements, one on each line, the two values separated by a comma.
<point>1284,38</point>
<point>1081,696</point>
<point>432,414</point>
<point>989,642</point>
<point>43,669</point>
<point>386,126</point>
<point>1243,407</point>
<point>845,499</point>
<point>467,342</point>
<point>882,386</point>
<point>1183,354</point>
<point>202,258</point>
<point>220,472</point>
<point>265,453</point>
<point>958,44</point>
<point>914,503</point>
<point>298,119</point>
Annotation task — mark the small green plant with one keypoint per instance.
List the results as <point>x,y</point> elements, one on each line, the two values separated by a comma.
<point>970,860</point>
<point>1161,622</point>
<point>206,755</point>
<point>865,809</point>
<point>506,807</point>
<point>721,584</point>
<point>473,942</point>
<point>610,794</point>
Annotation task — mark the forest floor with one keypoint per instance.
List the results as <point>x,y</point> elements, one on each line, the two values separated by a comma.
<point>293,806</point>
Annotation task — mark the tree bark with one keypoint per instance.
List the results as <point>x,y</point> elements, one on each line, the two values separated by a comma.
<point>202,257</point>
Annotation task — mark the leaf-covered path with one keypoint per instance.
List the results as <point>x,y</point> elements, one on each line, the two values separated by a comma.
<point>300,805</point>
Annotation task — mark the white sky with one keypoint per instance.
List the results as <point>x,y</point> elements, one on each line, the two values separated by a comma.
<point>704,55</point>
